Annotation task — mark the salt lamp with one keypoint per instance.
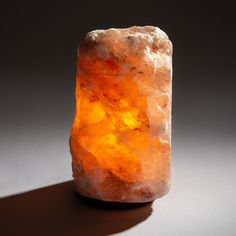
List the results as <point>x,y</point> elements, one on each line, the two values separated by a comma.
<point>121,135</point>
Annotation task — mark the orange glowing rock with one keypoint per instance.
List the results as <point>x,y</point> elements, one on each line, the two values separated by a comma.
<point>120,139</point>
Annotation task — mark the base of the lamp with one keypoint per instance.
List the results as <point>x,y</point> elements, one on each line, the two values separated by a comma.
<point>111,205</point>
<point>104,186</point>
<point>131,196</point>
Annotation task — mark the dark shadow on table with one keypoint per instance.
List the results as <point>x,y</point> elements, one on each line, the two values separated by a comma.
<point>58,210</point>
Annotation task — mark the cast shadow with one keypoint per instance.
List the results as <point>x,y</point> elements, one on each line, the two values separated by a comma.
<point>58,210</point>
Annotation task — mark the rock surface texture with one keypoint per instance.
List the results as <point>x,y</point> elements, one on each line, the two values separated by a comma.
<point>120,138</point>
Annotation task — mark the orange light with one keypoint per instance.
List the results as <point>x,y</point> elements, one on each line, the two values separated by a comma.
<point>120,138</point>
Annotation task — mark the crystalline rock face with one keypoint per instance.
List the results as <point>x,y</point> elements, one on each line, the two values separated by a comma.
<point>121,134</point>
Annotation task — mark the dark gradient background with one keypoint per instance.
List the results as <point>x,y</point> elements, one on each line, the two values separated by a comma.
<point>38,46</point>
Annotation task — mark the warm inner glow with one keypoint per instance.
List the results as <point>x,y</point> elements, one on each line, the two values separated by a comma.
<point>120,139</point>
<point>113,125</point>
<point>130,120</point>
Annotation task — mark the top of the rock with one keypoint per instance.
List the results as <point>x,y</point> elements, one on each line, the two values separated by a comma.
<point>136,37</point>
<point>136,31</point>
